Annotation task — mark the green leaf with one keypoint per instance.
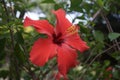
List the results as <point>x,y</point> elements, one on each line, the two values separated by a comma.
<point>48,1</point>
<point>100,3</point>
<point>2,45</point>
<point>116,55</point>
<point>106,63</point>
<point>19,37</point>
<point>19,54</point>
<point>99,47</point>
<point>117,66</point>
<point>75,5</point>
<point>113,36</point>
<point>116,74</point>
<point>98,35</point>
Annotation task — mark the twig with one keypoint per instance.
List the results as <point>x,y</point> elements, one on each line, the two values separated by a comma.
<point>11,31</point>
<point>110,29</point>
<point>31,73</point>
<point>12,58</point>
<point>95,16</point>
<point>96,58</point>
<point>107,23</point>
<point>6,11</point>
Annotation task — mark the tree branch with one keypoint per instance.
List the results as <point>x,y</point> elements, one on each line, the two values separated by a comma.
<point>110,29</point>
<point>96,58</point>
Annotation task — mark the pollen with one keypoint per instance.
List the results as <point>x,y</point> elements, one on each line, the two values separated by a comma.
<point>71,30</point>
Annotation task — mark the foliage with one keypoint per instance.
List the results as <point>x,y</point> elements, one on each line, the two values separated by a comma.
<point>97,28</point>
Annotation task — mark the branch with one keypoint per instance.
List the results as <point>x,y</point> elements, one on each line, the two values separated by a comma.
<point>95,16</point>
<point>96,58</point>
<point>28,70</point>
<point>11,30</point>
<point>110,29</point>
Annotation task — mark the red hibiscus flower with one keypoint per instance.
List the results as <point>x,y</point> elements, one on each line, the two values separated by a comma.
<point>62,42</point>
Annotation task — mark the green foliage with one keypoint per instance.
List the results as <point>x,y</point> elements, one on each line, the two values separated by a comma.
<point>19,37</point>
<point>16,42</point>
<point>2,46</point>
<point>113,36</point>
<point>19,54</point>
<point>100,3</point>
<point>4,73</point>
<point>75,5</point>
<point>50,1</point>
<point>99,36</point>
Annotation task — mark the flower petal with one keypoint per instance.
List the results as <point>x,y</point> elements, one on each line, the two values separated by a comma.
<point>62,22</point>
<point>66,59</point>
<point>42,50</point>
<point>76,42</point>
<point>41,26</point>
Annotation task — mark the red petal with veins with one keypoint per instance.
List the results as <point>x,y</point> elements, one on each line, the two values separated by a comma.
<point>62,22</point>
<point>42,50</point>
<point>66,58</point>
<point>41,26</point>
<point>76,42</point>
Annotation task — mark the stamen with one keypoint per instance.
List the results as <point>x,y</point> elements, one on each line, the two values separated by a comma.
<point>71,30</point>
